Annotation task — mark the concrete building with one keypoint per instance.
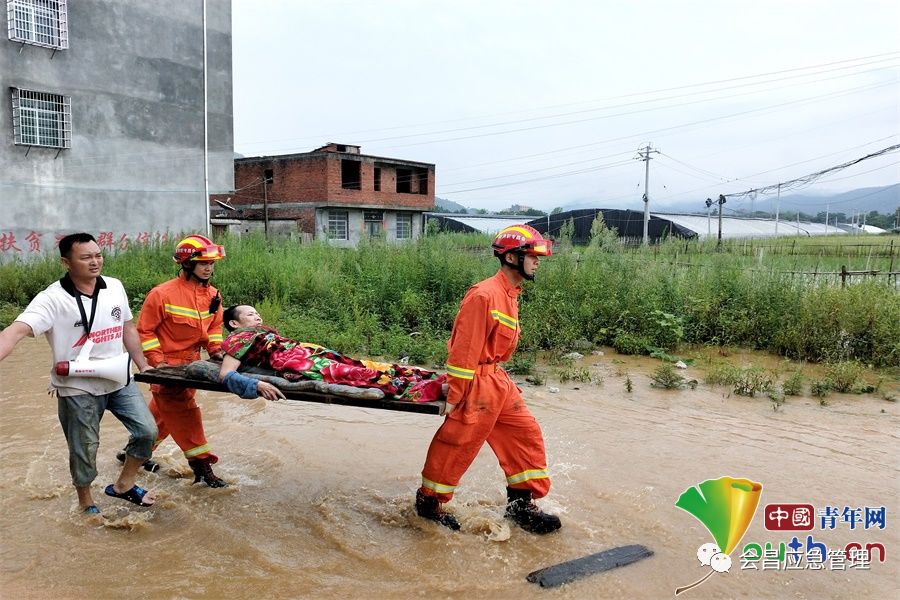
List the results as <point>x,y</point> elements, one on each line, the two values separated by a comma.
<point>102,117</point>
<point>334,193</point>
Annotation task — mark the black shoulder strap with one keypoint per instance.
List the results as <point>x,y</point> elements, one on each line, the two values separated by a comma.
<point>84,320</point>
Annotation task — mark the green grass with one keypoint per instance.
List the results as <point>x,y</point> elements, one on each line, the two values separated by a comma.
<point>400,300</point>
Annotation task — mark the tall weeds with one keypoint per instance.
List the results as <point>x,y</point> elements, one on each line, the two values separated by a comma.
<point>392,300</point>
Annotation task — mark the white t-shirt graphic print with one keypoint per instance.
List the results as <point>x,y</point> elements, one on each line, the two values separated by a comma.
<point>54,312</point>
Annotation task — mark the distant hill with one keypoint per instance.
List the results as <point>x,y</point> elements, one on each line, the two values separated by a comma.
<point>884,200</point>
<point>444,205</point>
<point>881,199</point>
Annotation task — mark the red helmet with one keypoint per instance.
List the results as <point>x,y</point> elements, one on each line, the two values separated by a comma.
<point>522,238</point>
<point>197,247</point>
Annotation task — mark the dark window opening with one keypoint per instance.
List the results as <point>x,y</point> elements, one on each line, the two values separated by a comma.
<point>350,178</point>
<point>423,182</point>
<point>377,179</point>
<point>268,176</point>
<point>341,148</point>
<point>404,181</point>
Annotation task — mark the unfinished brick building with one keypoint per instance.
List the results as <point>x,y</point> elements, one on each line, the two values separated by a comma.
<point>334,193</point>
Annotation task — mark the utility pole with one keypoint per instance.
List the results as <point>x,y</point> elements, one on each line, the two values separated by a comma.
<point>777,202</point>
<point>268,178</point>
<point>644,155</point>
<point>720,202</point>
<point>266,207</point>
<point>827,210</point>
<point>208,225</point>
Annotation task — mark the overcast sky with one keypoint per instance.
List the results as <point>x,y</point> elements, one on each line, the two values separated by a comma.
<point>546,103</point>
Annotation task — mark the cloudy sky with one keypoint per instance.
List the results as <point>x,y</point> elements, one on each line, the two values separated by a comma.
<point>546,103</point>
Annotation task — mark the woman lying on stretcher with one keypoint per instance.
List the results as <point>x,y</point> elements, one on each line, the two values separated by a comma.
<point>254,344</point>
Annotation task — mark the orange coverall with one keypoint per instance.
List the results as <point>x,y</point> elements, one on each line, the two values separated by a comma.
<point>489,405</point>
<point>174,323</point>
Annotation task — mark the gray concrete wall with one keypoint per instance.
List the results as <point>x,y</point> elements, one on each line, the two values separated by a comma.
<point>356,226</point>
<point>134,72</point>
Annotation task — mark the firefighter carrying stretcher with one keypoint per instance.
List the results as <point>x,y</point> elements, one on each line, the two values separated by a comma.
<point>177,319</point>
<point>483,403</point>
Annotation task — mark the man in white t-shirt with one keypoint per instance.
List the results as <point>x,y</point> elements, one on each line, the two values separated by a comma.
<point>79,307</point>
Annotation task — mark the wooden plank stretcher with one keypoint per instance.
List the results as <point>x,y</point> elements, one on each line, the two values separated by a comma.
<point>177,377</point>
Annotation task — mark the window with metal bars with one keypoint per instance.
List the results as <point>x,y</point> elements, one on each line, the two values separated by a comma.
<point>404,226</point>
<point>338,221</point>
<point>38,22</point>
<point>41,119</point>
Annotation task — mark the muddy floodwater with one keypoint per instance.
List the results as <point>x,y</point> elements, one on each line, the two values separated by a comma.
<point>320,497</point>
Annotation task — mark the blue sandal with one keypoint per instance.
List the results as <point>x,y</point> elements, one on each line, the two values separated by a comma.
<point>91,510</point>
<point>135,495</point>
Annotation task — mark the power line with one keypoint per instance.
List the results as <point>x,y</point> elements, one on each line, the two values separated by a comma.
<point>663,131</point>
<point>879,58</point>
<point>701,122</point>
<point>747,177</point>
<point>555,176</point>
<point>589,160</point>
<point>810,178</point>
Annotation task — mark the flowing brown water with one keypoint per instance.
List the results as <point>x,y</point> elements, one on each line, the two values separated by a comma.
<point>320,502</point>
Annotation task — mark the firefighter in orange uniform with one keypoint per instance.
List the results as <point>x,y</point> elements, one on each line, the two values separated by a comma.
<point>178,318</point>
<point>483,404</point>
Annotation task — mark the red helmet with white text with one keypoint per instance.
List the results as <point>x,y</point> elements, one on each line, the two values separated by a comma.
<point>521,238</point>
<point>195,248</point>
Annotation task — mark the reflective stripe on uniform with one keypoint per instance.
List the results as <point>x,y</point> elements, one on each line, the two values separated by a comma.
<point>184,311</point>
<point>504,319</point>
<point>150,344</point>
<point>460,372</point>
<point>196,451</point>
<point>215,337</point>
<point>438,488</point>
<point>527,475</point>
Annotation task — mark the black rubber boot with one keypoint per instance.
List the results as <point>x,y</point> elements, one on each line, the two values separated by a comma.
<point>149,465</point>
<point>202,469</point>
<point>525,513</point>
<point>429,508</point>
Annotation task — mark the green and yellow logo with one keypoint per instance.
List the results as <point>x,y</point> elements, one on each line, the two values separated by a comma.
<point>726,507</point>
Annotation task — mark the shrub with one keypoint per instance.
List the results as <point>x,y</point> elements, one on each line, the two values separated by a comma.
<point>520,364</point>
<point>723,374</point>
<point>844,376</point>
<point>793,385</point>
<point>579,374</point>
<point>535,379</point>
<point>665,377</point>
<point>626,343</point>
<point>820,388</point>
<point>752,380</point>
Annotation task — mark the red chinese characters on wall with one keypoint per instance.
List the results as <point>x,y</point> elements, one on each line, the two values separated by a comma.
<point>107,240</point>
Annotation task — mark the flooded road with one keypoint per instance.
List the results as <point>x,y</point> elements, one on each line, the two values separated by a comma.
<point>320,501</point>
